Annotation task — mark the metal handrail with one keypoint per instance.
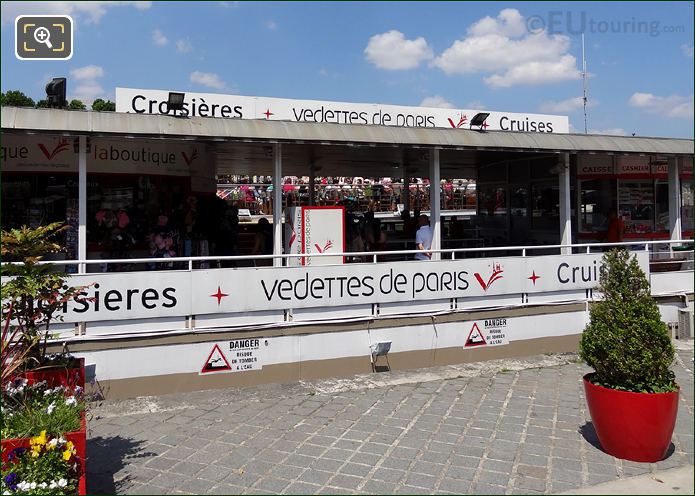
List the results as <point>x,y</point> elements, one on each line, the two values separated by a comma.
<point>374,254</point>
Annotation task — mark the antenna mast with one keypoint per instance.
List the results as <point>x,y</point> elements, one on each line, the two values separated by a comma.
<point>584,97</point>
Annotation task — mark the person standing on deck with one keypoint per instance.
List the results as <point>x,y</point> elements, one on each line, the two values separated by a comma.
<point>423,238</point>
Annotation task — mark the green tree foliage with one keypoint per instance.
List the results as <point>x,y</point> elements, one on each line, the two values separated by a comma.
<point>76,105</point>
<point>626,341</point>
<point>42,104</point>
<point>14,98</point>
<point>103,106</point>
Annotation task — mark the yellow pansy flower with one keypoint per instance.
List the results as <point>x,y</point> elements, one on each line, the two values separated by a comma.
<point>67,454</point>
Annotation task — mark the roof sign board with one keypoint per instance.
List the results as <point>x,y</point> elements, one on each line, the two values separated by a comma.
<point>217,105</point>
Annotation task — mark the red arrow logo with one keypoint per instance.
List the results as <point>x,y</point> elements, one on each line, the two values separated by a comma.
<point>60,147</point>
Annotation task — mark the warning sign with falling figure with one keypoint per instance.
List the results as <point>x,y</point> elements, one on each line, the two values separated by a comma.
<point>488,332</point>
<point>216,362</point>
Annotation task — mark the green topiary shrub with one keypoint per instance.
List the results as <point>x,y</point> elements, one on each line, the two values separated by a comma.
<point>626,342</point>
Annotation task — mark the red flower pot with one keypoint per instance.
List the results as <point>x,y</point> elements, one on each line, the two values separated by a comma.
<point>632,426</point>
<point>78,438</point>
<point>57,376</point>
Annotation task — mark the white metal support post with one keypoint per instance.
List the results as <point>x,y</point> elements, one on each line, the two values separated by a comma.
<point>82,203</point>
<point>674,199</point>
<point>435,203</point>
<point>277,203</point>
<point>565,204</point>
<point>406,188</point>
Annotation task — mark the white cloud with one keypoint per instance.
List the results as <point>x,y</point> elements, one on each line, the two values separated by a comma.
<point>209,79</point>
<point>87,72</point>
<point>509,22</point>
<point>532,73</point>
<point>92,12</point>
<point>612,131</point>
<point>687,49</point>
<point>475,105</point>
<point>159,38</point>
<point>504,48</point>
<point>436,101</point>
<point>676,106</point>
<point>565,106</point>
<point>87,88</point>
<point>392,51</point>
<point>184,46</point>
<point>270,24</point>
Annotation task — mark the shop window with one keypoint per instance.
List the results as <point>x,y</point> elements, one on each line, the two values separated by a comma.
<point>492,200</point>
<point>518,171</point>
<point>661,207</point>
<point>545,206</point>
<point>38,199</point>
<point>496,172</point>
<point>597,197</point>
<point>519,201</point>
<point>636,205</point>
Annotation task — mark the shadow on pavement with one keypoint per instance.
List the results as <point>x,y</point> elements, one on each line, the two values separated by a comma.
<point>107,456</point>
<point>589,434</point>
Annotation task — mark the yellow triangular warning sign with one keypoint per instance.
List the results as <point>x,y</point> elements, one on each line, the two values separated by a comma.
<point>475,337</point>
<point>216,362</point>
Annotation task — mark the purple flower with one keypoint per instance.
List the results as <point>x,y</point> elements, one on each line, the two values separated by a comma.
<point>17,452</point>
<point>11,481</point>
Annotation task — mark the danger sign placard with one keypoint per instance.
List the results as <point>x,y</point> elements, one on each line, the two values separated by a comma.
<point>488,332</point>
<point>216,362</point>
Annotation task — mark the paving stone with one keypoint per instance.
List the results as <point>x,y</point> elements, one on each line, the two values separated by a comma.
<point>301,488</point>
<point>313,476</point>
<point>169,481</point>
<point>483,488</point>
<point>196,486</point>
<point>527,483</point>
<point>161,463</point>
<point>388,475</point>
<point>457,486</point>
<point>379,487</point>
<point>286,472</point>
<point>496,478</point>
<point>497,466</point>
<point>187,468</point>
<point>272,484</point>
<point>566,476</point>
<point>345,481</point>
<point>327,464</point>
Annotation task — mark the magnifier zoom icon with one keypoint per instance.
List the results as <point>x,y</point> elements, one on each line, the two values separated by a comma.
<point>43,35</point>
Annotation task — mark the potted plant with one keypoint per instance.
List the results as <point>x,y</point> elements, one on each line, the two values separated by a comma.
<point>31,410</point>
<point>632,395</point>
<point>32,296</point>
<point>48,465</point>
<point>40,393</point>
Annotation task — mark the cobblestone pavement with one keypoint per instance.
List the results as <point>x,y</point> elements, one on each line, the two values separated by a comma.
<point>500,427</point>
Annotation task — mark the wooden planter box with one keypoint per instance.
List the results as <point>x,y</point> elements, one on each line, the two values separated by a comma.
<point>67,376</point>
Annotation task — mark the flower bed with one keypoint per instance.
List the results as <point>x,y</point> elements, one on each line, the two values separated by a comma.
<point>42,464</point>
<point>35,410</point>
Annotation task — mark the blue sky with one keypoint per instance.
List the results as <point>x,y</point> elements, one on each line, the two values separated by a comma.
<point>513,56</point>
